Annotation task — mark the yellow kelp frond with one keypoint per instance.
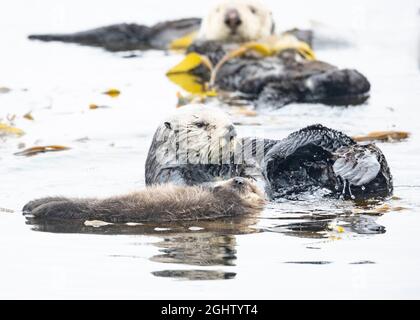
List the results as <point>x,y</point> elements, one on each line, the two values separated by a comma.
<point>113,93</point>
<point>276,44</point>
<point>188,82</point>
<point>41,149</point>
<point>183,42</point>
<point>190,62</point>
<point>288,41</point>
<point>9,130</point>
<point>383,136</point>
<point>182,76</point>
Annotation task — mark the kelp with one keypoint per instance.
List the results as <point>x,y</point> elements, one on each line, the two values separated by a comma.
<point>182,74</point>
<point>383,136</point>
<point>113,93</point>
<point>41,149</point>
<point>6,130</point>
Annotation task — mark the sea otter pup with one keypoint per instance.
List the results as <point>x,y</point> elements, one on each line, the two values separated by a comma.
<point>159,203</point>
<point>190,148</point>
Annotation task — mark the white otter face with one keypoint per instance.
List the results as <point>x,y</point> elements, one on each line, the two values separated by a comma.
<point>196,134</point>
<point>238,21</point>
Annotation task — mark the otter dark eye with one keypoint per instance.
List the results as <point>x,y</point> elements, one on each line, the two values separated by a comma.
<point>200,124</point>
<point>252,9</point>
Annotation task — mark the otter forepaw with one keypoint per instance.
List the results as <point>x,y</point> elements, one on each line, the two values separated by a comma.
<point>357,164</point>
<point>31,205</point>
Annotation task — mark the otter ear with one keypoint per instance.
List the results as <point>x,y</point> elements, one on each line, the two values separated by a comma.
<point>168,125</point>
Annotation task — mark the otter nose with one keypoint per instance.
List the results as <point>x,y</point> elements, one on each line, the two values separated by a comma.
<point>233,19</point>
<point>239,181</point>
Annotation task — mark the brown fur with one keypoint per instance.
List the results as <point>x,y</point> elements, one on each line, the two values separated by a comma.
<point>234,197</point>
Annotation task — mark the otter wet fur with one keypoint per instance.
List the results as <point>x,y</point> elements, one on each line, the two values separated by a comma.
<point>198,144</point>
<point>159,203</point>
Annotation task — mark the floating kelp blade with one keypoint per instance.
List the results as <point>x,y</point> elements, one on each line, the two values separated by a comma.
<point>183,42</point>
<point>4,90</point>
<point>383,136</point>
<point>93,106</point>
<point>181,75</point>
<point>379,210</point>
<point>113,93</point>
<point>191,84</point>
<point>41,149</point>
<point>275,45</point>
<point>28,116</point>
<point>9,130</point>
<point>189,63</point>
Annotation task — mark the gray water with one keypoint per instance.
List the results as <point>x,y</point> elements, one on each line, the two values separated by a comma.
<point>292,250</point>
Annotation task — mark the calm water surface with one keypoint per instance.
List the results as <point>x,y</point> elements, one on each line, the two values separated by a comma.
<point>293,250</point>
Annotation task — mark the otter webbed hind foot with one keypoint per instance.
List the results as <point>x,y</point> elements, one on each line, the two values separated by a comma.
<point>333,87</point>
<point>338,87</point>
<point>30,206</point>
<point>56,208</point>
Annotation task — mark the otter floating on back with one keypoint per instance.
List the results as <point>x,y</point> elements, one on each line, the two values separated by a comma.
<point>230,20</point>
<point>159,203</point>
<point>198,144</point>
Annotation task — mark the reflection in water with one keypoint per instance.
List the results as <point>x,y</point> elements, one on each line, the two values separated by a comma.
<point>315,227</point>
<point>213,243</point>
<point>198,243</point>
<point>195,274</point>
<point>201,249</point>
<point>309,262</point>
<point>316,221</point>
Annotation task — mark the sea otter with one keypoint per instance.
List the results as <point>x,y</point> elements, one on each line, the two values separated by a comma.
<point>159,203</point>
<point>198,144</point>
<point>278,80</point>
<point>230,20</point>
<point>237,21</point>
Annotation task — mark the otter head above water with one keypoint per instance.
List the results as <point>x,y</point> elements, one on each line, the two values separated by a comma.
<point>247,190</point>
<point>196,144</point>
<point>194,134</point>
<point>237,20</point>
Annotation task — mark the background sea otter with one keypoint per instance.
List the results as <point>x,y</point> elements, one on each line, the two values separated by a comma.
<point>266,82</point>
<point>230,20</point>
<point>198,144</point>
<point>159,203</point>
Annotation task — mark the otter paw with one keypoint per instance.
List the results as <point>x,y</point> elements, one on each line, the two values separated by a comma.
<point>31,205</point>
<point>356,164</point>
